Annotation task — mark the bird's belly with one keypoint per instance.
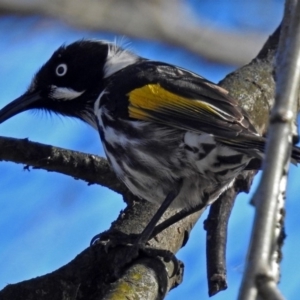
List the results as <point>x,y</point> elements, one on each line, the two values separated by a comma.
<point>153,165</point>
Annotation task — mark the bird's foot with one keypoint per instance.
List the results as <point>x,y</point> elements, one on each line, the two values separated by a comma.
<point>133,250</point>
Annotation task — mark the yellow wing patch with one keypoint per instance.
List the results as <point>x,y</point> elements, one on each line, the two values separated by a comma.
<point>153,97</point>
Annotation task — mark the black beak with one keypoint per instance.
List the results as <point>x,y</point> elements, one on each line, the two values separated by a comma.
<point>25,102</point>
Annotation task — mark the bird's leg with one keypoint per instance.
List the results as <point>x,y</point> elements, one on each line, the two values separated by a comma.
<point>142,239</point>
<point>139,243</point>
<point>150,231</point>
<point>147,232</point>
<point>176,218</point>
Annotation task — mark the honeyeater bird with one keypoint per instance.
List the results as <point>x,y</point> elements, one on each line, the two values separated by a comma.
<point>173,137</point>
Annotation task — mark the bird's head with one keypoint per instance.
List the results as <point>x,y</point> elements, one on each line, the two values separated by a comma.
<point>71,80</point>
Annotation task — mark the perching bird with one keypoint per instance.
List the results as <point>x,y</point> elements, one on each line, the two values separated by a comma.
<point>170,135</point>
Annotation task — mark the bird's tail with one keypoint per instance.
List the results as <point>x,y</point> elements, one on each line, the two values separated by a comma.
<point>255,163</point>
<point>295,155</point>
<point>254,146</point>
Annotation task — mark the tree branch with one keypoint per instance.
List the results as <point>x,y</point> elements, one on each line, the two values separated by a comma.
<point>216,239</point>
<point>87,167</point>
<point>262,267</point>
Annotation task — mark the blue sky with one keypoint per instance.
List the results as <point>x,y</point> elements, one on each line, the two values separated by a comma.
<point>48,218</point>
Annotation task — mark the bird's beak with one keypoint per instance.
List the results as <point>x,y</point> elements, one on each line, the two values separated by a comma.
<point>21,104</point>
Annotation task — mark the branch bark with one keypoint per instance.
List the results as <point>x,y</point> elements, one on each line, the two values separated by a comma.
<point>87,167</point>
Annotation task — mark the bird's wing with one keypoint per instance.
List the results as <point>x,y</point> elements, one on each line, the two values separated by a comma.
<point>171,96</point>
<point>178,98</point>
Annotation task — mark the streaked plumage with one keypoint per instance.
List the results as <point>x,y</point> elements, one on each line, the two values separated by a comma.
<point>154,137</point>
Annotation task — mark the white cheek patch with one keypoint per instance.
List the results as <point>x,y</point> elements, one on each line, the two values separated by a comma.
<point>63,93</point>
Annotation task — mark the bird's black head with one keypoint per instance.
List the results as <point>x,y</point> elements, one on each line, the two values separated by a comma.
<point>70,82</point>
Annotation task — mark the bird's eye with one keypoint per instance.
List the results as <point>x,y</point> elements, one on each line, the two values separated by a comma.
<point>61,70</point>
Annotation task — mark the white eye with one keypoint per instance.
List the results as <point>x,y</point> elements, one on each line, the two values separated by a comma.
<point>61,70</point>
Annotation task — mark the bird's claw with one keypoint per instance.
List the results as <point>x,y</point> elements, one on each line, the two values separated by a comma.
<point>134,249</point>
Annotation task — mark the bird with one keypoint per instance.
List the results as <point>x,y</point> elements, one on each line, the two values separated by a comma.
<point>173,137</point>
